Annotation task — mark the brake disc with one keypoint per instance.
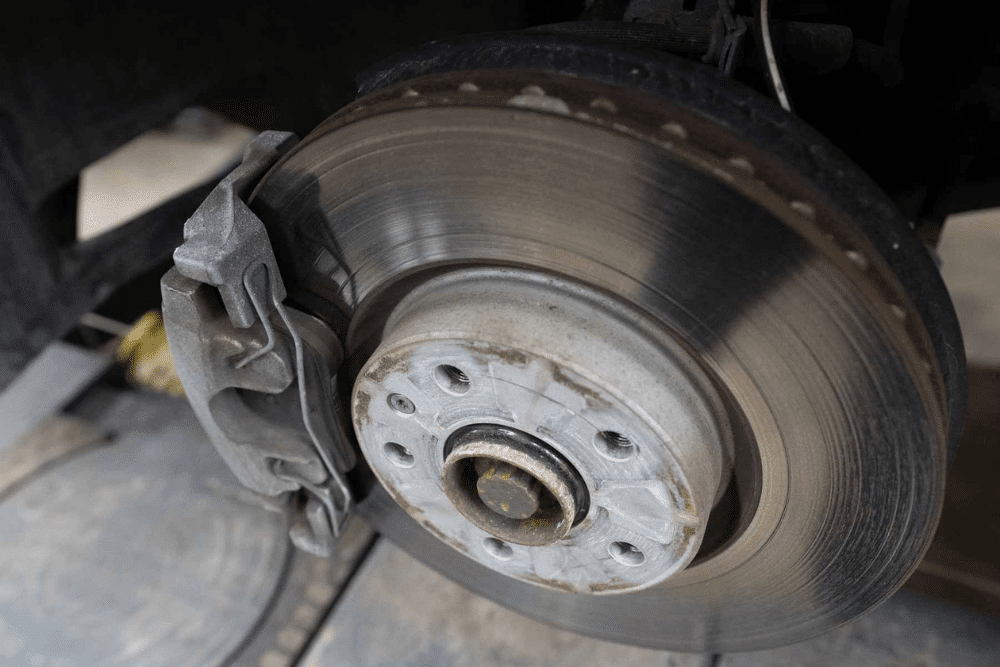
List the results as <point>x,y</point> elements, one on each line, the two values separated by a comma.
<point>616,365</point>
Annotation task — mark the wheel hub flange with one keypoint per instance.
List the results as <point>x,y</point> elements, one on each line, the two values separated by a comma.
<point>543,429</point>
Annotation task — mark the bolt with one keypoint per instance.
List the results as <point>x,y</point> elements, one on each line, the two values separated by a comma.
<point>507,489</point>
<point>512,485</point>
<point>401,404</point>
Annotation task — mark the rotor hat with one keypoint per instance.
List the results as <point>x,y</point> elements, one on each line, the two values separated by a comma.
<point>523,386</point>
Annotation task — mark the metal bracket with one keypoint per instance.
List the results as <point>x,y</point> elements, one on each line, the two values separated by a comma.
<point>238,359</point>
<point>715,19</point>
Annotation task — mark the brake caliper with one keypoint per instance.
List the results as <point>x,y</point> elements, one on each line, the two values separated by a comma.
<point>259,375</point>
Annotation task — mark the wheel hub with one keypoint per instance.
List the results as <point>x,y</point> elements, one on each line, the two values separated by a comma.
<point>544,429</point>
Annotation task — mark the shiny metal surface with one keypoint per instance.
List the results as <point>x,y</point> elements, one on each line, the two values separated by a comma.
<point>820,354</point>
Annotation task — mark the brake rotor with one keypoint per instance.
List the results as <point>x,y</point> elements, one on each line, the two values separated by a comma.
<point>819,414</point>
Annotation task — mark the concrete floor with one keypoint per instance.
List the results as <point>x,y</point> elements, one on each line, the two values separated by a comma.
<point>197,571</point>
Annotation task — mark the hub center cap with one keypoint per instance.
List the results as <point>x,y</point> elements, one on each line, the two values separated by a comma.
<point>544,430</point>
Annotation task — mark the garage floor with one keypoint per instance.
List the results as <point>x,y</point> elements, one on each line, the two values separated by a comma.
<point>124,540</point>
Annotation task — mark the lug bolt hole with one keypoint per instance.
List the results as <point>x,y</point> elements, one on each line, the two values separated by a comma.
<point>401,404</point>
<point>614,445</point>
<point>399,455</point>
<point>498,548</point>
<point>451,379</point>
<point>626,554</point>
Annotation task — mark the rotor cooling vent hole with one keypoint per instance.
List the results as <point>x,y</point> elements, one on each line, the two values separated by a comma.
<point>626,554</point>
<point>452,380</point>
<point>498,548</point>
<point>614,445</point>
<point>398,454</point>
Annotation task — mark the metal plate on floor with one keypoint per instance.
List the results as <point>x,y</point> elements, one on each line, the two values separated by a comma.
<point>146,552</point>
